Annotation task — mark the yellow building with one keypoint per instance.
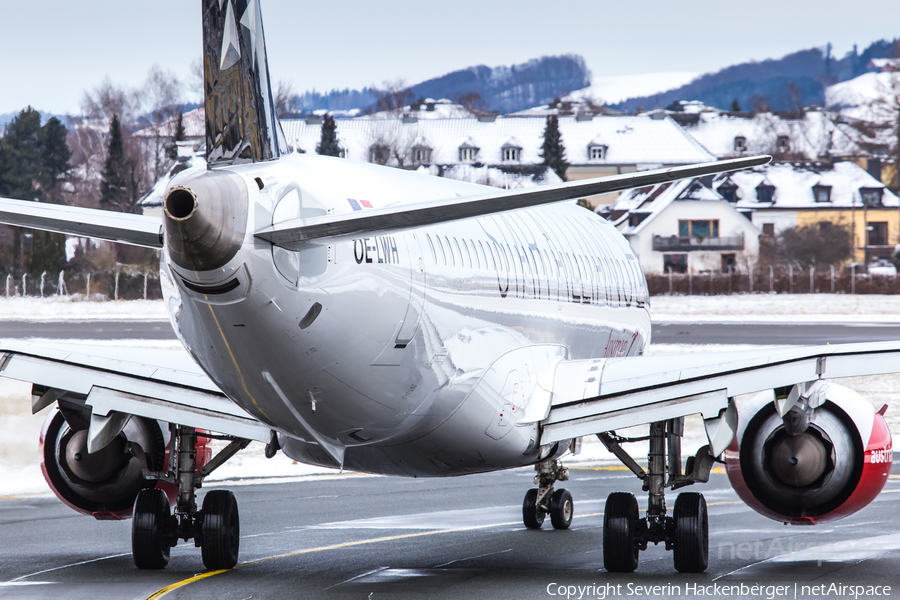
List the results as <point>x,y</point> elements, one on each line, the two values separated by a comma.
<point>784,195</point>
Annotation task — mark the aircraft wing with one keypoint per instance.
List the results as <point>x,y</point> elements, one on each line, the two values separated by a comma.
<point>116,381</point>
<point>292,234</point>
<point>598,395</point>
<point>137,230</point>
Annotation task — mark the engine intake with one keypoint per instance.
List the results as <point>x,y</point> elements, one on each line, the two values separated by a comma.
<point>834,467</point>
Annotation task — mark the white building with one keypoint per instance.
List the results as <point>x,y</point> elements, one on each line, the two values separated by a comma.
<point>684,227</point>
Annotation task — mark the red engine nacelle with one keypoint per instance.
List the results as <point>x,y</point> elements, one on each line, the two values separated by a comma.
<point>830,471</point>
<point>104,484</point>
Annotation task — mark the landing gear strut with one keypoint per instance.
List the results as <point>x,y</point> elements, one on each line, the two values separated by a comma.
<point>544,500</point>
<point>215,528</point>
<point>686,532</point>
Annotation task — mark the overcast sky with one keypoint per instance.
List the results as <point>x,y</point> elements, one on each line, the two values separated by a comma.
<point>52,50</point>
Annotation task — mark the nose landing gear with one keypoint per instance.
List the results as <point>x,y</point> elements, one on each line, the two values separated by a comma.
<point>215,528</point>
<point>544,500</point>
<point>686,532</point>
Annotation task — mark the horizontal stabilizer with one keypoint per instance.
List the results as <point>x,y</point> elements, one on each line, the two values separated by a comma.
<point>137,230</point>
<point>292,234</point>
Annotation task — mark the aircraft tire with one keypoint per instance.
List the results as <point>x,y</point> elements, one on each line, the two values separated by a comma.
<point>532,515</point>
<point>620,524</point>
<point>149,545</point>
<point>562,509</point>
<point>221,530</point>
<point>691,541</point>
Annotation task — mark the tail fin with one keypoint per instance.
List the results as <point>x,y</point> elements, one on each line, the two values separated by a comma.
<point>241,125</point>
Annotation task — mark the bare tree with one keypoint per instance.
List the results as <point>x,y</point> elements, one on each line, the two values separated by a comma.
<point>160,101</point>
<point>287,101</point>
<point>392,98</point>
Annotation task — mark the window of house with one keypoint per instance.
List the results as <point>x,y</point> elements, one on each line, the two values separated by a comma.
<point>871,196</point>
<point>728,262</point>
<point>379,154</point>
<point>878,233</point>
<point>783,143</point>
<point>597,152</point>
<point>822,193</point>
<point>740,143</point>
<point>467,154</point>
<point>511,153</point>
<point>768,229</point>
<point>728,191</point>
<point>765,193</point>
<point>421,154</point>
<point>676,263</point>
<point>702,229</point>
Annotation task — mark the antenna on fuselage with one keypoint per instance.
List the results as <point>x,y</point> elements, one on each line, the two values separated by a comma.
<point>241,124</point>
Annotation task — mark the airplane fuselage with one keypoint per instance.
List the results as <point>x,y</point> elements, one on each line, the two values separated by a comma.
<point>419,352</point>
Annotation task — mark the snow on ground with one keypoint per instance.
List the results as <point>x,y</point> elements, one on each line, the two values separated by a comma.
<point>69,308</point>
<point>616,88</point>
<point>794,308</point>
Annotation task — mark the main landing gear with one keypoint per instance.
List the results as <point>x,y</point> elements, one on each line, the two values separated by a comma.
<point>543,500</point>
<point>686,532</point>
<point>215,528</point>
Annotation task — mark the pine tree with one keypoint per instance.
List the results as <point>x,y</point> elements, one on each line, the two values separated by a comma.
<point>328,145</point>
<point>32,160</point>
<point>172,151</point>
<point>553,151</point>
<point>735,105</point>
<point>117,185</point>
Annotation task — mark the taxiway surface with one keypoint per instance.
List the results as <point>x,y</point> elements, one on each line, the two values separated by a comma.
<point>383,537</point>
<point>780,333</point>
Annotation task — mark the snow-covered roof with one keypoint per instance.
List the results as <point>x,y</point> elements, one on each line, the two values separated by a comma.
<point>651,200</point>
<point>430,109</point>
<point>630,140</point>
<point>812,136</point>
<point>494,177</point>
<point>794,184</point>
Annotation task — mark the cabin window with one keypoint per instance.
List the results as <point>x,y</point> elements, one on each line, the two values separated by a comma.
<point>452,261</point>
<point>443,252</point>
<point>431,245</point>
<point>483,257</point>
<point>462,256</point>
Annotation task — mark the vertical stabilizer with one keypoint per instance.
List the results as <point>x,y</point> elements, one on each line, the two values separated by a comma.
<point>241,125</point>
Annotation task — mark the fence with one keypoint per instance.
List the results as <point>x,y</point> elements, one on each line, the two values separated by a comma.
<point>775,279</point>
<point>99,285</point>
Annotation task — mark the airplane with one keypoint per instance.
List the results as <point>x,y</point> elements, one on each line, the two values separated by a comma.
<point>366,318</point>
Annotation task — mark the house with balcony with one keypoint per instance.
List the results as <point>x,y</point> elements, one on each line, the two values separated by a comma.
<point>779,196</point>
<point>684,226</point>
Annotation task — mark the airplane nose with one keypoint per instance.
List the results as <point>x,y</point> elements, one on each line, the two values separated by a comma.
<point>205,219</point>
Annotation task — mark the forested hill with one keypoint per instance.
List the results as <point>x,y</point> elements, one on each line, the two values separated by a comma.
<point>798,79</point>
<point>503,89</point>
